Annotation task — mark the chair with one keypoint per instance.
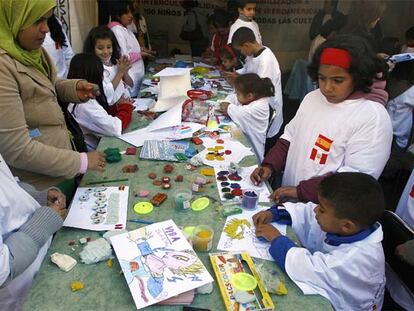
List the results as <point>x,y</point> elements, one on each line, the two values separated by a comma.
<point>397,232</point>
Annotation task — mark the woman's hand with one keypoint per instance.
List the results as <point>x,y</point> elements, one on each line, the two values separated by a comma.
<point>96,161</point>
<point>86,90</point>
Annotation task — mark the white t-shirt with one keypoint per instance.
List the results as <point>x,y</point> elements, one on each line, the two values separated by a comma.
<point>350,275</point>
<point>61,56</point>
<point>249,24</point>
<point>113,95</point>
<point>253,120</point>
<point>95,122</point>
<point>129,44</point>
<point>400,110</point>
<point>265,65</point>
<point>354,135</point>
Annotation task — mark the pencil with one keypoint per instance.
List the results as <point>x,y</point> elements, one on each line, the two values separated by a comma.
<point>106,181</point>
<point>141,221</point>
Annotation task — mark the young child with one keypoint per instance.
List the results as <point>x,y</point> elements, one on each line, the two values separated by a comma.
<point>122,16</point>
<point>101,41</point>
<point>93,116</point>
<point>342,126</point>
<point>247,12</point>
<point>220,23</point>
<point>261,61</point>
<point>408,47</point>
<point>229,59</point>
<point>400,87</point>
<point>342,257</point>
<point>249,108</point>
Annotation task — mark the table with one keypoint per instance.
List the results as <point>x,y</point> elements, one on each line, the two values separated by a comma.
<point>106,288</point>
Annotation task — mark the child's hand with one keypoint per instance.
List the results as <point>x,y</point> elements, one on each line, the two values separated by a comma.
<point>263,217</point>
<point>56,197</point>
<point>284,192</point>
<point>123,64</point>
<point>267,231</point>
<point>224,107</point>
<point>230,76</point>
<point>260,174</point>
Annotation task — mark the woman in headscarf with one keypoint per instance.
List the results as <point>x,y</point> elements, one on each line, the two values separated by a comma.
<point>34,139</point>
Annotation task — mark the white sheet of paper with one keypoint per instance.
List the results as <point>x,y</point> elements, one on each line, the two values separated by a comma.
<point>243,238</point>
<point>158,263</point>
<point>170,118</point>
<point>245,183</point>
<point>142,104</point>
<point>83,209</point>
<point>164,104</point>
<point>172,72</point>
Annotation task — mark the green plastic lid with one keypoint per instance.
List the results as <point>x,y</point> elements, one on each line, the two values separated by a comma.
<point>143,208</point>
<point>200,204</point>
<point>188,230</point>
<point>243,281</point>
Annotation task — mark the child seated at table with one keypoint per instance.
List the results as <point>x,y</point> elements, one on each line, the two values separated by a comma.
<point>342,257</point>
<point>93,116</point>
<point>249,108</point>
<point>261,61</point>
<point>229,59</point>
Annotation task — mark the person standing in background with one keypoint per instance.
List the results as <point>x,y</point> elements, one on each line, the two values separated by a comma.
<point>329,12</point>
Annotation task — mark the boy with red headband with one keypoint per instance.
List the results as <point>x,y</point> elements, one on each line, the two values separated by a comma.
<point>342,126</point>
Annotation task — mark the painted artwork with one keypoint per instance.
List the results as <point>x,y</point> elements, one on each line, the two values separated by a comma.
<point>158,263</point>
<point>98,208</point>
<point>239,235</point>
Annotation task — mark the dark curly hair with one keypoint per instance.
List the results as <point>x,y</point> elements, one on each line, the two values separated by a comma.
<point>102,32</point>
<point>365,64</point>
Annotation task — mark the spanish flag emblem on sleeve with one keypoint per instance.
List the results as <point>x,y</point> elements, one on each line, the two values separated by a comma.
<point>322,143</point>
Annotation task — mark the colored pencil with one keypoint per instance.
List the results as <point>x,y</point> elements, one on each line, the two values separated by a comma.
<point>106,181</point>
<point>141,221</point>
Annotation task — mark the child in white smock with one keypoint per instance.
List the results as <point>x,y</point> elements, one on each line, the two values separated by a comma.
<point>247,12</point>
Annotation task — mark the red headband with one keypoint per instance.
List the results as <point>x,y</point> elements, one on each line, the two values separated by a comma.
<point>337,57</point>
<point>230,50</point>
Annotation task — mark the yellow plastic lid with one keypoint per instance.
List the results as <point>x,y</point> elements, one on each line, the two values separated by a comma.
<point>143,208</point>
<point>243,281</point>
<point>200,204</point>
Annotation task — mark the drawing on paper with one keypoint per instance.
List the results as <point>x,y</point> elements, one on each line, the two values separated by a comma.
<point>158,263</point>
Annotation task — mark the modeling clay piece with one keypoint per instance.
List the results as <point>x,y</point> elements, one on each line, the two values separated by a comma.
<point>237,192</point>
<point>96,251</point>
<point>196,140</point>
<point>157,182</point>
<point>179,178</point>
<point>168,168</point>
<point>166,179</point>
<point>131,151</point>
<point>83,241</point>
<point>63,261</point>
<point>112,155</point>
<point>180,156</point>
<point>152,175</point>
<point>130,168</point>
<point>220,141</point>
<point>76,285</point>
<point>109,263</point>
<point>72,243</point>
<point>166,186</point>
<point>207,171</point>
<point>227,152</point>
<point>159,198</point>
<point>231,210</point>
<point>143,193</point>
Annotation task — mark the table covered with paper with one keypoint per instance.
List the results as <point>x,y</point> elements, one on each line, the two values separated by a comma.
<point>143,272</point>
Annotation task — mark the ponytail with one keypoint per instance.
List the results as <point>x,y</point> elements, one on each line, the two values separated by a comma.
<point>252,83</point>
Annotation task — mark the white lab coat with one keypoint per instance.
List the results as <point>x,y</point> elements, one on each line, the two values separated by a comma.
<point>249,24</point>
<point>405,207</point>
<point>400,110</point>
<point>61,56</point>
<point>16,207</point>
<point>350,275</point>
<point>113,95</point>
<point>95,122</point>
<point>129,44</point>
<point>360,131</point>
<point>253,120</point>
<point>266,65</point>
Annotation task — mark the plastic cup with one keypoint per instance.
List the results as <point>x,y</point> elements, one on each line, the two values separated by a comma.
<point>250,199</point>
<point>182,200</point>
<point>235,132</point>
<point>203,238</point>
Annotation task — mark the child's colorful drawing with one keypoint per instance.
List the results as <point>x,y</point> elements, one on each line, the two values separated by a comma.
<point>158,263</point>
<point>239,235</point>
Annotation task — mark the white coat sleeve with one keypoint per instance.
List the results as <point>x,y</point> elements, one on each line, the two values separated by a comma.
<point>4,260</point>
<point>93,117</point>
<point>109,91</point>
<point>369,148</point>
<point>232,99</point>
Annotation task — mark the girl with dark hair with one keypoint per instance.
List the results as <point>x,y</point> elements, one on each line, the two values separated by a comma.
<point>93,116</point>
<point>229,58</point>
<point>101,42</point>
<point>58,47</point>
<point>400,87</point>
<point>342,126</point>
<point>249,108</point>
<point>122,15</point>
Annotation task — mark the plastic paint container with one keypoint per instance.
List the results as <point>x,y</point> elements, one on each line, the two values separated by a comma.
<point>203,238</point>
<point>250,199</point>
<point>182,198</point>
